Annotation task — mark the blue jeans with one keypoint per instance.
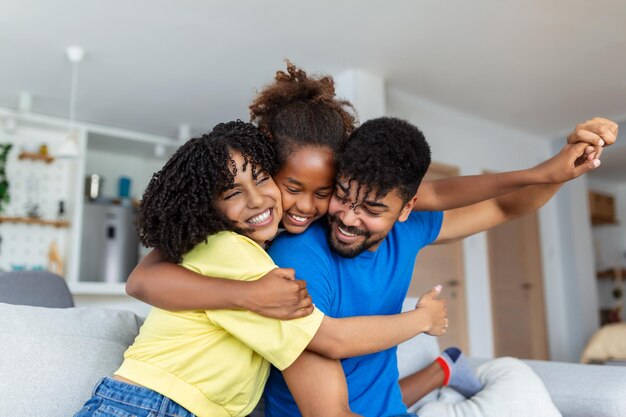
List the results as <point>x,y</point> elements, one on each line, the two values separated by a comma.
<point>112,398</point>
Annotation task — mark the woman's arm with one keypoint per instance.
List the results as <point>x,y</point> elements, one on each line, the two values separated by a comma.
<point>456,192</point>
<point>171,287</point>
<point>355,336</point>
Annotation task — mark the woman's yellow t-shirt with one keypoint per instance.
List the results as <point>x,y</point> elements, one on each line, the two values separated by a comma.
<point>215,363</point>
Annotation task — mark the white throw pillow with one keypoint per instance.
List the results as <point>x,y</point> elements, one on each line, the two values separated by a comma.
<point>511,389</point>
<point>51,358</point>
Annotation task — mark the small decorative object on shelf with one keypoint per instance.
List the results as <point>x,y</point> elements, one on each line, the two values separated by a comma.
<point>32,205</point>
<point>36,156</point>
<point>4,181</point>
<point>614,314</point>
<point>28,220</point>
<point>609,315</point>
<point>61,211</point>
<point>55,262</point>
<point>43,149</point>
<point>32,210</point>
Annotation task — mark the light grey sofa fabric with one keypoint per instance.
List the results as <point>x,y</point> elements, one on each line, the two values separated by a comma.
<point>584,390</point>
<point>51,359</point>
<point>581,390</point>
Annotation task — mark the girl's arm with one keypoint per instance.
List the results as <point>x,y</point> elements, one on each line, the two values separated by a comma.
<point>171,287</point>
<point>465,221</point>
<point>450,193</point>
<point>355,336</point>
<point>456,192</point>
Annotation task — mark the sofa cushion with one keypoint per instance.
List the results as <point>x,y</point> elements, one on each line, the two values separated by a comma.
<point>511,389</point>
<point>608,343</point>
<point>51,359</point>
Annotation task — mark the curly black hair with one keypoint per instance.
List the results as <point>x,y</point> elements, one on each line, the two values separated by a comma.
<point>382,155</point>
<point>297,110</point>
<point>177,209</point>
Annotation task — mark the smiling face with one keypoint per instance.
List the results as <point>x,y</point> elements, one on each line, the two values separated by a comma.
<point>359,223</point>
<point>253,204</point>
<point>306,182</point>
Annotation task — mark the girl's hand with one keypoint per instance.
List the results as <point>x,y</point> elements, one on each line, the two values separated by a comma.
<point>279,295</point>
<point>435,310</point>
<point>581,153</point>
<point>571,162</point>
<point>598,133</point>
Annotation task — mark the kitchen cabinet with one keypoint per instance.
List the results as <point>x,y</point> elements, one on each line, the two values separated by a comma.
<point>109,152</point>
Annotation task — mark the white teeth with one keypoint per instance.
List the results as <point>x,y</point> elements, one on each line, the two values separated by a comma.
<point>299,218</point>
<point>343,232</point>
<point>260,218</point>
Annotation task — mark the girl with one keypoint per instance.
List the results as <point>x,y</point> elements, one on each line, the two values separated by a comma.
<point>212,208</point>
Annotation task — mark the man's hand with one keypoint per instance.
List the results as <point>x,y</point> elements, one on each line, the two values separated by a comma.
<point>598,133</point>
<point>279,295</point>
<point>569,163</point>
<point>436,310</point>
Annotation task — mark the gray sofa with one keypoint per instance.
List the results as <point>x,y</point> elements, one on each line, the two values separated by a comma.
<point>50,360</point>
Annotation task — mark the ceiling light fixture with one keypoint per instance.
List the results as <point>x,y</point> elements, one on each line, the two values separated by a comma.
<point>184,132</point>
<point>25,102</point>
<point>75,55</point>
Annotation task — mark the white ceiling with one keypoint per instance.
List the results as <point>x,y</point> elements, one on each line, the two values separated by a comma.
<point>537,66</point>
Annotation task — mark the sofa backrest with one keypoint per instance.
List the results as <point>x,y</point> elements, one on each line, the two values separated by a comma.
<point>35,288</point>
<point>51,359</point>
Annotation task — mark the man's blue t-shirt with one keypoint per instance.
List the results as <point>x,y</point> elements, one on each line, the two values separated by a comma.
<point>373,283</point>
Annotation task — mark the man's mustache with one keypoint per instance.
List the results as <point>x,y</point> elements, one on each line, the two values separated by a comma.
<point>350,229</point>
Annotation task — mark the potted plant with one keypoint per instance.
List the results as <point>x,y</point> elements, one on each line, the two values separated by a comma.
<point>4,181</point>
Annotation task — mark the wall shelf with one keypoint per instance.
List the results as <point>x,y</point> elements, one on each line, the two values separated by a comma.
<point>611,273</point>
<point>35,157</point>
<point>41,222</point>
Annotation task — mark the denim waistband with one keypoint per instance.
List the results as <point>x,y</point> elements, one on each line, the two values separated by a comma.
<point>140,397</point>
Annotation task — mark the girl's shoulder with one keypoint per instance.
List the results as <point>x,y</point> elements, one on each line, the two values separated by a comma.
<point>227,255</point>
<point>225,244</point>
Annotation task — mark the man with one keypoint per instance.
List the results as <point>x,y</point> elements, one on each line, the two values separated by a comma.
<point>361,262</point>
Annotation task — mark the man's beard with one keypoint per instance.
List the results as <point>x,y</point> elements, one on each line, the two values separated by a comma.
<point>345,250</point>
